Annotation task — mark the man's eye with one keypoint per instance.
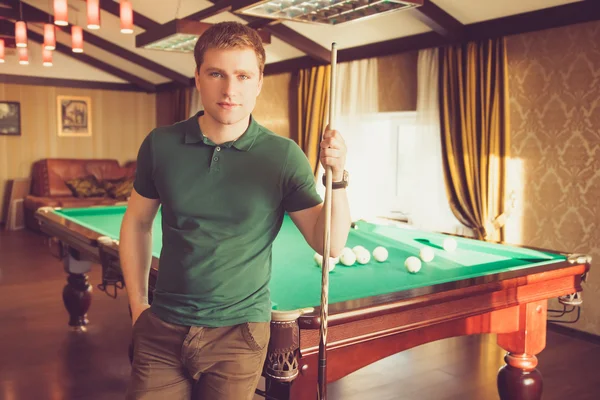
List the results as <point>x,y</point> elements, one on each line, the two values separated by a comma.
<point>244,77</point>
<point>215,74</point>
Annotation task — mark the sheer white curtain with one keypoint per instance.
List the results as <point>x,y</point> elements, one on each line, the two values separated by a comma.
<point>369,147</point>
<point>430,209</point>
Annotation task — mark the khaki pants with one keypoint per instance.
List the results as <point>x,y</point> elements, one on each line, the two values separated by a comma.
<point>176,362</point>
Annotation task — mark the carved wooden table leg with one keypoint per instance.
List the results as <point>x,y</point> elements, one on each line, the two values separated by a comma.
<point>519,379</point>
<point>77,293</point>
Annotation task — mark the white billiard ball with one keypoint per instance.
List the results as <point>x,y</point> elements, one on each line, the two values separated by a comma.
<point>380,253</point>
<point>319,261</point>
<point>358,249</point>
<point>363,256</point>
<point>346,250</point>
<point>348,258</point>
<point>426,254</point>
<point>413,264</point>
<point>331,264</point>
<point>450,244</point>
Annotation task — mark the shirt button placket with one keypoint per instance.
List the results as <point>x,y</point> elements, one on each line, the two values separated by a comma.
<point>215,159</point>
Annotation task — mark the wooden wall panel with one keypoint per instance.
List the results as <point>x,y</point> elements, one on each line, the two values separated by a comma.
<point>397,81</point>
<point>120,120</point>
<point>273,104</point>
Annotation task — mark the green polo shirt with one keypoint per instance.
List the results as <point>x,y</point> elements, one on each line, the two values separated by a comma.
<point>221,207</point>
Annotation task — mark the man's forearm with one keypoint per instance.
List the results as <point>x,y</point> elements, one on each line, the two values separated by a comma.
<point>340,223</point>
<point>136,255</point>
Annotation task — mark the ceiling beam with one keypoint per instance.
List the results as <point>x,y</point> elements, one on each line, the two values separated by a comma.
<point>220,7</point>
<point>137,59</point>
<point>9,4</point>
<point>291,65</point>
<point>260,23</point>
<point>138,19</point>
<point>70,83</point>
<point>98,64</point>
<point>8,13</point>
<point>554,17</point>
<point>302,43</point>
<point>32,13</point>
<point>439,20</point>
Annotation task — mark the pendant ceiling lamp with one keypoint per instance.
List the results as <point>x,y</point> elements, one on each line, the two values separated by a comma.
<point>23,56</point>
<point>76,39</point>
<point>61,13</point>
<point>21,34</point>
<point>93,14</point>
<point>126,17</point>
<point>46,58</point>
<point>49,37</point>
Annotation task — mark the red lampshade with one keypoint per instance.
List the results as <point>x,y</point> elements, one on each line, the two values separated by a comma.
<point>61,13</point>
<point>126,17</point>
<point>93,14</point>
<point>21,34</point>
<point>77,39</point>
<point>23,56</point>
<point>49,37</point>
<point>47,58</point>
<point>1,50</point>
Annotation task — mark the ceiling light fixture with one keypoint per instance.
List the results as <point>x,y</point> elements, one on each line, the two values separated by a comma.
<point>327,12</point>
<point>126,16</point>
<point>93,14</point>
<point>61,13</point>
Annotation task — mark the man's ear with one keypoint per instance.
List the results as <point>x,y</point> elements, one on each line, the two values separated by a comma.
<point>260,83</point>
<point>197,77</point>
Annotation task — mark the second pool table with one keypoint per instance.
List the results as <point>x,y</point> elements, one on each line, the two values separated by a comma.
<point>375,310</point>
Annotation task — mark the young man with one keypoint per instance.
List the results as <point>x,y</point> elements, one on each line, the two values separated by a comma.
<point>223,183</point>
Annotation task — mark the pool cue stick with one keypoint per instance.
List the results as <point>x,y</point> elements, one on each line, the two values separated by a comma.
<point>322,377</point>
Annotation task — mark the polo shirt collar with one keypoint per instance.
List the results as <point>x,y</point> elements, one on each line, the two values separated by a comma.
<point>193,134</point>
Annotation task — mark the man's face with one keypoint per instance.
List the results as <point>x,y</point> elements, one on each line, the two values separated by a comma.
<point>229,82</point>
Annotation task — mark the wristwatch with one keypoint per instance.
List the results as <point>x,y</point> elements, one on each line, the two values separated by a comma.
<point>341,184</point>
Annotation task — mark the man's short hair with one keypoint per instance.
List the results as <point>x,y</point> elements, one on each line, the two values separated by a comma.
<point>229,35</point>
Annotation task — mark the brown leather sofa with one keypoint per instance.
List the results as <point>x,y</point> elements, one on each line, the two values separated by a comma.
<point>51,183</point>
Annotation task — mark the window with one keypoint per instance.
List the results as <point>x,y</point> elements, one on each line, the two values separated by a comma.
<point>377,163</point>
<point>395,170</point>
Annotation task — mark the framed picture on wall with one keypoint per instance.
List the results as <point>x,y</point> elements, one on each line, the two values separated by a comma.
<point>74,116</point>
<point>10,118</point>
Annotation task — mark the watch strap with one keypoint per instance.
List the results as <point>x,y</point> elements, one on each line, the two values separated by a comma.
<point>337,185</point>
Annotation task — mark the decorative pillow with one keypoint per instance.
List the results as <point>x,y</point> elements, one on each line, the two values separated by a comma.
<point>87,186</point>
<point>119,189</point>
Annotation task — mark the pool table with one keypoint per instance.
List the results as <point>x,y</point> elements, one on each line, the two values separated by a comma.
<point>375,310</point>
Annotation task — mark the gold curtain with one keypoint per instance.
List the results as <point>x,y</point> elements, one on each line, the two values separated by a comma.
<point>475,132</point>
<point>313,103</point>
<point>173,106</point>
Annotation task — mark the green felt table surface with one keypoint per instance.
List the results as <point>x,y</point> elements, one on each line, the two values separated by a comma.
<point>296,278</point>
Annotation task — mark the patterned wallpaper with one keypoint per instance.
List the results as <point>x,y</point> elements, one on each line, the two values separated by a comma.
<point>554,83</point>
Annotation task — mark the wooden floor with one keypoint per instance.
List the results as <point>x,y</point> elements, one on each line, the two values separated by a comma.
<point>41,359</point>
